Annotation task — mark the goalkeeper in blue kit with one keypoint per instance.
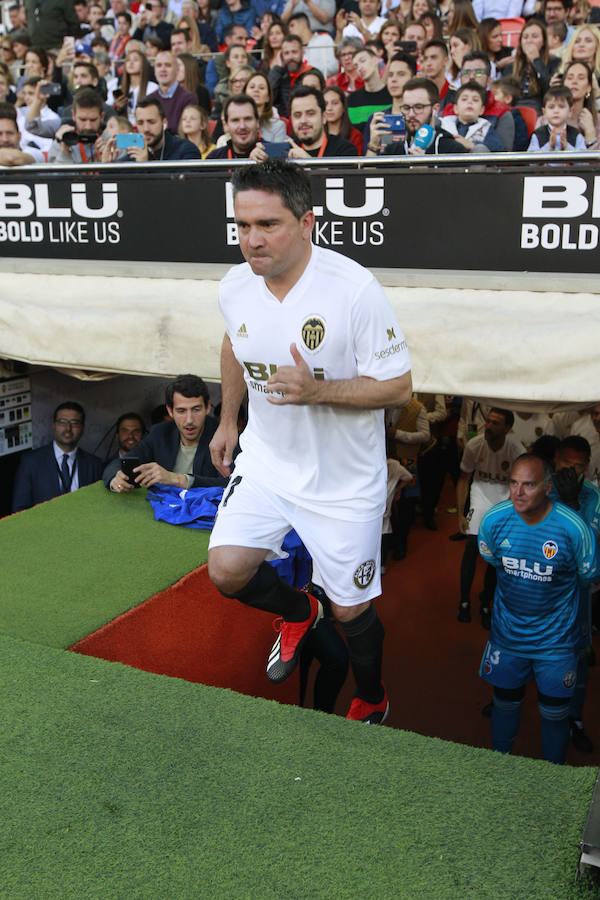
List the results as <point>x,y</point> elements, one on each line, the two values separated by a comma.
<point>542,551</point>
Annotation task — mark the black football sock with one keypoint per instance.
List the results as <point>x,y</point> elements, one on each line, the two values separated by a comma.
<point>365,644</point>
<point>267,591</point>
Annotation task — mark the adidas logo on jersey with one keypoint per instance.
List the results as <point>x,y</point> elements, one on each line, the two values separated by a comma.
<point>506,544</point>
<point>241,332</point>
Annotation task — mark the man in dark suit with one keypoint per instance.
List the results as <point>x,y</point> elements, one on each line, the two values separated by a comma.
<point>59,467</point>
<point>176,452</point>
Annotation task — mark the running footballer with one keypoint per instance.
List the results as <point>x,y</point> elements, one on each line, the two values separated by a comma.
<point>312,337</point>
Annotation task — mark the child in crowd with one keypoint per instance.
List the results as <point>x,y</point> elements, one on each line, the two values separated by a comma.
<point>468,126</point>
<point>555,134</point>
<point>506,90</point>
<point>557,35</point>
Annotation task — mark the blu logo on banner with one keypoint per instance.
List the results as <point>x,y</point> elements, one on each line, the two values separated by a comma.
<point>560,197</point>
<point>23,205</point>
<point>355,223</point>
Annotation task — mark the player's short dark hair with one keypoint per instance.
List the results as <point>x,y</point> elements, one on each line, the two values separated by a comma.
<point>88,98</point>
<point>187,386</point>
<point>559,90</point>
<point>509,417</point>
<point>70,404</point>
<point>546,447</point>
<point>436,43</point>
<point>477,55</point>
<point>532,457</point>
<point>577,443</point>
<point>129,415</point>
<point>293,38</point>
<point>275,176</point>
<point>472,86</point>
<point>125,14</point>
<point>8,111</point>
<point>151,101</point>
<point>305,90</point>
<point>240,100</point>
<point>410,61</point>
<point>414,84</point>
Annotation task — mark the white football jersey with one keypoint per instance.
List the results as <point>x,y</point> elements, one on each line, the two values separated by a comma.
<point>326,458</point>
<point>491,475</point>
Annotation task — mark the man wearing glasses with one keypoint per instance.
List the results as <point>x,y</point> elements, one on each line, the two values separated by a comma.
<point>476,68</point>
<point>419,105</point>
<point>59,467</point>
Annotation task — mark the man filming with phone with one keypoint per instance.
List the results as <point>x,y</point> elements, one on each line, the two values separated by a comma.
<point>153,141</point>
<point>176,452</point>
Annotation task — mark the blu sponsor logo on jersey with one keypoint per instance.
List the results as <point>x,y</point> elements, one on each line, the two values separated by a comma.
<point>34,213</point>
<point>342,219</point>
<point>521,568</point>
<point>561,197</point>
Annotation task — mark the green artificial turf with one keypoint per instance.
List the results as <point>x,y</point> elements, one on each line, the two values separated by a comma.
<point>75,563</point>
<point>121,784</point>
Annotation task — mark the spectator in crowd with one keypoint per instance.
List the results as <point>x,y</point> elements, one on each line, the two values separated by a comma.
<point>337,120</point>
<point>462,42</point>
<point>371,98</point>
<point>283,77</point>
<point>271,127</point>
<point>468,127</point>
<point>579,79</point>
<point>434,63</point>
<point>12,150</point>
<point>160,143</point>
<point>49,23</point>
<point>152,24</point>
<point>570,487</point>
<point>389,35</point>
<point>534,621</point>
<point>557,34</point>
<point>117,46</point>
<point>433,27</point>
<point>407,431</point>
<point>476,69</point>
<point>556,134</point>
<point>135,84</point>
<point>173,97</point>
<point>490,37</point>
<point>271,55</point>
<point>85,75</point>
<point>152,47</point>
<point>319,51</point>
<point>364,26</point>
<point>307,114</point>
<point>193,126</point>
<point>129,431</point>
<point>16,17</point>
<point>461,16</point>
<point>241,123</point>
<point>188,76</point>
<point>235,12</point>
<point>558,11</point>
<point>416,32</point>
<point>59,467</point>
<point>498,9</point>
<point>486,465</point>
<point>584,46</point>
<point>401,68</point>
<point>533,67</point>
<point>35,113</point>
<point>594,464</point>
<point>431,464</point>
<point>236,56</point>
<point>319,13</point>
<point>201,34</point>
<point>175,452</point>
<point>6,87</point>
<point>347,78</point>
<point>78,143</point>
<point>21,42</point>
<point>419,104</point>
<point>216,68</point>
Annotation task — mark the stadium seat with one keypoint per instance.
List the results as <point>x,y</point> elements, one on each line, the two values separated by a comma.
<point>531,116</point>
<point>511,29</point>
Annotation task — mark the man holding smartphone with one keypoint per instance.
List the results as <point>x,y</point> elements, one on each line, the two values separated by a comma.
<point>175,452</point>
<point>153,142</point>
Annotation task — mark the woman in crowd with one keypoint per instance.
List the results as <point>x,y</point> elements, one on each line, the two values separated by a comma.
<point>337,120</point>
<point>490,36</point>
<point>532,67</point>
<point>432,24</point>
<point>193,126</point>
<point>419,8</point>
<point>271,127</point>
<point>584,46</point>
<point>188,76</point>
<point>391,32</point>
<point>579,78</point>
<point>311,78</point>
<point>273,43</point>
<point>463,41</point>
<point>186,23</point>
<point>135,84</point>
<point>461,15</point>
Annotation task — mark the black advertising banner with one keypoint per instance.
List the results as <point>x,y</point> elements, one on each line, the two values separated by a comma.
<point>536,219</point>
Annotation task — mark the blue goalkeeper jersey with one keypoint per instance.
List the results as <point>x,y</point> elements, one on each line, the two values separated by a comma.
<point>539,571</point>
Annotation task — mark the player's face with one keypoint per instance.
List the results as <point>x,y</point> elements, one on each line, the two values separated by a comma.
<point>189,414</point>
<point>129,434</point>
<point>67,429</point>
<point>528,491</point>
<point>495,426</point>
<point>272,239</point>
